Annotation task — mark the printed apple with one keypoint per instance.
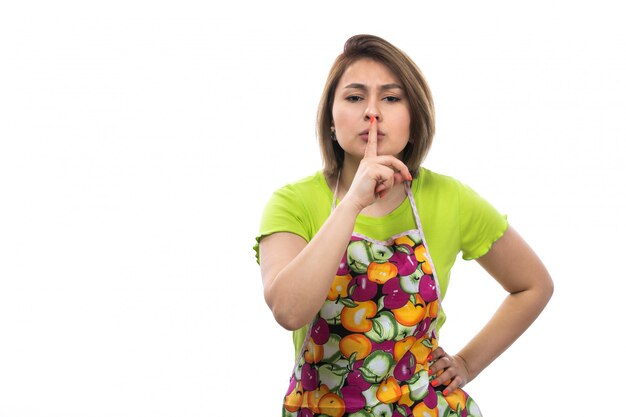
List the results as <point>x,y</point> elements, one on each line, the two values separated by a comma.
<point>442,404</point>
<point>411,283</point>
<point>432,309</point>
<point>423,328</point>
<point>312,398</point>
<point>355,344</point>
<point>360,288</point>
<point>357,319</point>
<point>406,400</point>
<point>457,400</point>
<point>404,240</point>
<point>293,399</point>
<point>381,273</point>
<point>428,288</point>
<point>430,400</point>
<point>376,366</point>
<point>309,377</point>
<point>383,327</point>
<point>404,259</point>
<point>405,368</point>
<point>332,376</point>
<point>415,237</point>
<point>339,287</point>
<point>332,405</point>
<point>395,296</point>
<point>353,398</point>
<point>370,396</point>
<point>418,385</point>
<point>320,332</point>
<point>359,256</point>
<point>313,352</point>
<point>422,410</point>
<point>382,410</point>
<point>421,349</point>
<point>356,378</point>
<point>404,331</point>
<point>292,385</point>
<point>331,348</point>
<point>380,253</point>
<point>412,312</point>
<point>402,346</point>
<point>389,391</point>
<point>330,312</point>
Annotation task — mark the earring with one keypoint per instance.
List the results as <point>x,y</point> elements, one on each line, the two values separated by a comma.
<point>333,137</point>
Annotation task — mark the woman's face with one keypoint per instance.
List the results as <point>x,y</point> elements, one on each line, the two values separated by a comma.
<point>369,89</point>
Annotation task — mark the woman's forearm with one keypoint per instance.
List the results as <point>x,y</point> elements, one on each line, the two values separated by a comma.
<point>513,317</point>
<point>298,290</point>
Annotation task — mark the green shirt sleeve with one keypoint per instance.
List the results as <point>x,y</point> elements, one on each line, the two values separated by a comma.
<point>284,212</point>
<point>480,223</point>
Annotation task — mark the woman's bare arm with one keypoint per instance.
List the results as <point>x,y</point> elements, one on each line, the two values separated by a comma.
<point>522,274</point>
<point>297,275</point>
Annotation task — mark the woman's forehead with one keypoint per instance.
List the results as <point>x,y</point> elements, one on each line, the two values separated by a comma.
<point>368,72</point>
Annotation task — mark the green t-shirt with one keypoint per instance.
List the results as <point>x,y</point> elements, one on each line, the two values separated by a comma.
<point>453,216</point>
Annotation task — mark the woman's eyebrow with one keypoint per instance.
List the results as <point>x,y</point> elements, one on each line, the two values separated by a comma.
<point>360,86</point>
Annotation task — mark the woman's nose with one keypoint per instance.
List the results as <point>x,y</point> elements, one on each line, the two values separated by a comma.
<point>372,110</point>
<point>372,115</point>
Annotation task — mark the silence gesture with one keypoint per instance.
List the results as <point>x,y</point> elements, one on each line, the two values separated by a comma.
<point>377,174</point>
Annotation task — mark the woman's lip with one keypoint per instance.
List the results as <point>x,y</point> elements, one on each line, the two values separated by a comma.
<point>367,131</point>
<point>365,136</point>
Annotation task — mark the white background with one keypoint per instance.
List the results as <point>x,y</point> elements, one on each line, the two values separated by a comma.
<point>139,142</point>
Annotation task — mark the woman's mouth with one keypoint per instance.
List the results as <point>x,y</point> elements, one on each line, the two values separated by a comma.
<point>364,135</point>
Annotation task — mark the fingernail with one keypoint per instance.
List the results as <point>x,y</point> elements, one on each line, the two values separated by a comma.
<point>445,392</point>
<point>430,372</point>
<point>372,120</point>
<point>434,383</point>
<point>429,358</point>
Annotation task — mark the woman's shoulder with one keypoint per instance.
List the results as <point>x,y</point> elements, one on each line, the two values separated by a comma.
<point>433,182</point>
<point>314,183</point>
<point>437,187</point>
<point>302,194</point>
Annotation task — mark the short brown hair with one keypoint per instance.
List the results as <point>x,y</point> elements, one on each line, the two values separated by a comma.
<point>421,110</point>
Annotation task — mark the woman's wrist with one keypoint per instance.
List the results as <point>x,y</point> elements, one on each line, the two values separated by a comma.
<point>350,208</point>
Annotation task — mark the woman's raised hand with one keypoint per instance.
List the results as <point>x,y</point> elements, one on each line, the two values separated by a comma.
<point>377,174</point>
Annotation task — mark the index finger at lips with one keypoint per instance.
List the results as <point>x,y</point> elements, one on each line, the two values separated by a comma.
<point>371,149</point>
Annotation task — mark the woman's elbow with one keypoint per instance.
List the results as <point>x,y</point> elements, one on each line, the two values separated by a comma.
<point>548,287</point>
<point>288,321</point>
<point>542,290</point>
<point>284,313</point>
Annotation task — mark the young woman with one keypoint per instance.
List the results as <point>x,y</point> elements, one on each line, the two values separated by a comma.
<point>356,258</point>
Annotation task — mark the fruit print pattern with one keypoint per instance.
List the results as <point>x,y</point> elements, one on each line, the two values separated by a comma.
<point>365,354</point>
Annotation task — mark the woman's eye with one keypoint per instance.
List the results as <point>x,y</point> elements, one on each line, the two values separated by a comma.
<point>392,99</point>
<point>354,99</point>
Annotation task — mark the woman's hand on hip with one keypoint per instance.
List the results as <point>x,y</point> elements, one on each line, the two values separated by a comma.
<point>450,370</point>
